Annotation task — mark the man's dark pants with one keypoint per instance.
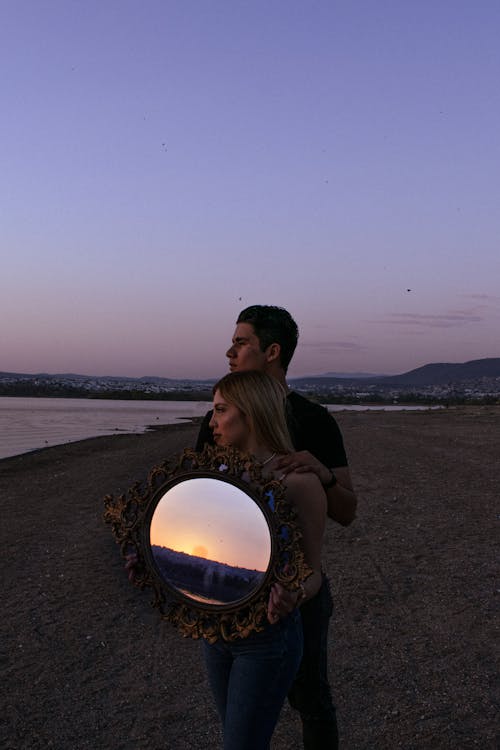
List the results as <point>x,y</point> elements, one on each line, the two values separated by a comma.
<point>310,693</point>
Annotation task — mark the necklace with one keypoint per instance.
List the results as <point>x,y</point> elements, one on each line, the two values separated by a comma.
<point>268,459</point>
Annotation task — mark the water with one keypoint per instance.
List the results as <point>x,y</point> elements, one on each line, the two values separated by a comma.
<point>27,424</point>
<point>30,423</point>
<point>380,407</point>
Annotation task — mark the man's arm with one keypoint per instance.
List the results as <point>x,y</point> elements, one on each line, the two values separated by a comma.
<point>341,499</point>
<point>340,496</point>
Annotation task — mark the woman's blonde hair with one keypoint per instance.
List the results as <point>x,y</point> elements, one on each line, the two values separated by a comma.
<point>262,400</point>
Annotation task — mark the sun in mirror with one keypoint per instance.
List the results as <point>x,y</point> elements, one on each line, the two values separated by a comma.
<point>210,540</point>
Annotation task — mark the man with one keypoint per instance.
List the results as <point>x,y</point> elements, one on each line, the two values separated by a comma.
<point>265,339</point>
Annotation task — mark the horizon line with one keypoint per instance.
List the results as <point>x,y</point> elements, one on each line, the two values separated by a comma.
<point>347,375</point>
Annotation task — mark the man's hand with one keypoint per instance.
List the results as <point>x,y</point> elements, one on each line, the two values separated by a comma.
<point>303,461</point>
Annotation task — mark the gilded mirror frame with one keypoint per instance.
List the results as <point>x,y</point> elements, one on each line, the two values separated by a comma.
<point>130,514</point>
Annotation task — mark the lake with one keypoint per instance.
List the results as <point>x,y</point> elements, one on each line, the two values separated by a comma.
<point>27,424</point>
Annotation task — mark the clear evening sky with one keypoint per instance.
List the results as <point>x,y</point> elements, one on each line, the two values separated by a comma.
<point>164,164</point>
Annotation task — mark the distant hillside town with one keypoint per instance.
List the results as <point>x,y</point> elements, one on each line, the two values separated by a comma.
<point>477,381</point>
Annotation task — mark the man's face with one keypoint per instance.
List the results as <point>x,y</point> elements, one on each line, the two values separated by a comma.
<point>245,352</point>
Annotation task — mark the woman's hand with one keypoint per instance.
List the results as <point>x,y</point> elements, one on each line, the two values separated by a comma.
<point>281,602</point>
<point>131,562</point>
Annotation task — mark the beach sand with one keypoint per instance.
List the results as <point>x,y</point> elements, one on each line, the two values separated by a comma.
<point>89,664</point>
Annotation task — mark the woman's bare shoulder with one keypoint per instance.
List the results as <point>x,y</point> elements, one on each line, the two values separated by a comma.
<point>306,492</point>
<point>299,482</point>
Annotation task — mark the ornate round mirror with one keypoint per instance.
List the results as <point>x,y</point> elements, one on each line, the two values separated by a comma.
<point>209,541</point>
<point>210,535</point>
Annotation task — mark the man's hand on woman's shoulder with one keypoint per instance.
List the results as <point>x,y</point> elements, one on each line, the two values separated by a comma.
<point>303,462</point>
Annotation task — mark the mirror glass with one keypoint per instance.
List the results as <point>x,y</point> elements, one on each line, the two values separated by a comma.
<point>210,541</point>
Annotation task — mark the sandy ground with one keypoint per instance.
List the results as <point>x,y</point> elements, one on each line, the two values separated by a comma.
<point>88,663</point>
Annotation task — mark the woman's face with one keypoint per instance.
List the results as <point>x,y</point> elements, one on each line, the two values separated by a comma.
<point>228,424</point>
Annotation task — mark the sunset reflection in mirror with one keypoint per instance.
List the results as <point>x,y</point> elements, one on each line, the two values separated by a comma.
<point>212,519</point>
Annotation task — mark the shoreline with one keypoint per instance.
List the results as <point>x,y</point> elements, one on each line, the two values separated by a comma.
<point>412,658</point>
<point>117,432</point>
<point>187,423</point>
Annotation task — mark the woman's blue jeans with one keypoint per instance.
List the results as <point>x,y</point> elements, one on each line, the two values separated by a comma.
<point>250,679</point>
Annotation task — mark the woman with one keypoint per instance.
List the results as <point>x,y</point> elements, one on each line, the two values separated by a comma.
<point>250,678</point>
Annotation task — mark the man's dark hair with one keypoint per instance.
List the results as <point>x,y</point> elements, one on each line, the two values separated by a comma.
<point>272,325</point>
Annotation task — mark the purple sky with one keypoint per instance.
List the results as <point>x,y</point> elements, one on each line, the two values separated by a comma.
<point>164,164</point>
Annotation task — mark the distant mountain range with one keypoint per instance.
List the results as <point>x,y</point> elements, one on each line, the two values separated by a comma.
<point>350,375</point>
<point>439,373</point>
